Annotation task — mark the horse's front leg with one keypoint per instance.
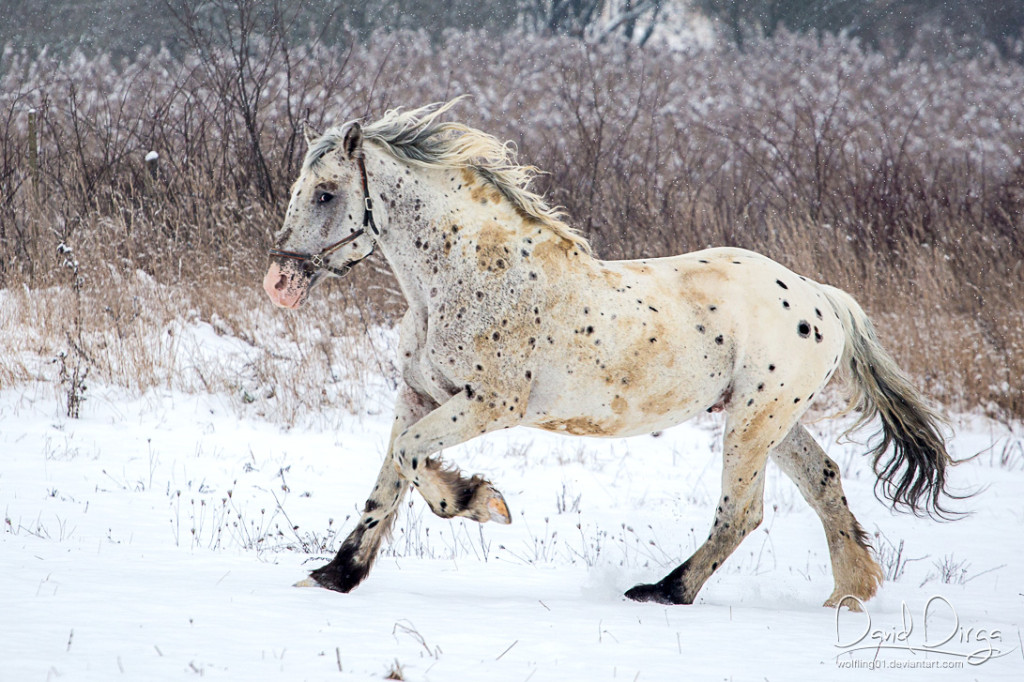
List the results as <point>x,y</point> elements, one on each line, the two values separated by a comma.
<point>355,558</point>
<point>445,489</point>
<point>421,428</point>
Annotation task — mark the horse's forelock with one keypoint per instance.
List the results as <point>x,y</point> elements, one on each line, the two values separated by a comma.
<point>332,139</point>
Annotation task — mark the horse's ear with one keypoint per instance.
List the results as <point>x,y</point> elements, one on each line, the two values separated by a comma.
<point>353,143</point>
<point>308,133</point>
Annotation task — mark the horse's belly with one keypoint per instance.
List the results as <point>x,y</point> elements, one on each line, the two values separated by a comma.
<point>599,411</point>
<point>591,426</point>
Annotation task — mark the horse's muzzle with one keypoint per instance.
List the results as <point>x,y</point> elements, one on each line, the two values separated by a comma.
<point>286,287</point>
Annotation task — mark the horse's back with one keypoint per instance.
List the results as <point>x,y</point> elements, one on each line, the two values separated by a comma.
<point>647,343</point>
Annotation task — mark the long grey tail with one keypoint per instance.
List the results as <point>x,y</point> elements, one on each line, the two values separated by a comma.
<point>913,477</point>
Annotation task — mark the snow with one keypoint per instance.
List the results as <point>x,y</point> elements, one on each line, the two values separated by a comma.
<point>158,537</point>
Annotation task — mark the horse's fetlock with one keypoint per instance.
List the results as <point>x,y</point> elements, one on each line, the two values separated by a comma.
<point>442,509</point>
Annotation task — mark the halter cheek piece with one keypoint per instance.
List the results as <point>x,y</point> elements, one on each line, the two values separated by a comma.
<point>318,260</point>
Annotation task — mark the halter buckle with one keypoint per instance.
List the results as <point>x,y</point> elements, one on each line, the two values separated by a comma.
<point>318,261</point>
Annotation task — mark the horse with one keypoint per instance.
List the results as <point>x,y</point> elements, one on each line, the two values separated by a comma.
<point>512,321</point>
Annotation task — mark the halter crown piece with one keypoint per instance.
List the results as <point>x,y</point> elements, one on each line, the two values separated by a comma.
<point>318,260</point>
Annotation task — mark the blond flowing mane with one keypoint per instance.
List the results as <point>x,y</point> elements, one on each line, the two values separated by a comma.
<point>418,138</point>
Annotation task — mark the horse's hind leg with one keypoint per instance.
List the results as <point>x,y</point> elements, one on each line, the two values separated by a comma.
<point>855,571</point>
<point>739,511</point>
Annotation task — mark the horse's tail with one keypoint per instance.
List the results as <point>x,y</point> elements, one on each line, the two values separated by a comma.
<point>914,475</point>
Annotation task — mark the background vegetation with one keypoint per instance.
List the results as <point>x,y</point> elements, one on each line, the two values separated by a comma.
<point>893,171</point>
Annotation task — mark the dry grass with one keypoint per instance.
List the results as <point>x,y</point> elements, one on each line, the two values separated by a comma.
<point>221,339</point>
<point>899,181</point>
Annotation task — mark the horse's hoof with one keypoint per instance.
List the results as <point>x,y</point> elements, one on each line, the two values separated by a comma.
<point>653,593</point>
<point>497,508</point>
<point>341,575</point>
<point>850,601</point>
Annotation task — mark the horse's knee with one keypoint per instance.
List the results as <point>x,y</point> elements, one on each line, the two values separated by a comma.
<point>744,502</point>
<point>753,515</point>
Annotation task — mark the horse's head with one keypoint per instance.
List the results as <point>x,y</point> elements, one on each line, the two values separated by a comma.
<point>329,216</point>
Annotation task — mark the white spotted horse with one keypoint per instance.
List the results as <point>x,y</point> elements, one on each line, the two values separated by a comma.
<point>512,321</point>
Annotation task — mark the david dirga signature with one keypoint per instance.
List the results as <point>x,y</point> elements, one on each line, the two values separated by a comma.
<point>940,633</point>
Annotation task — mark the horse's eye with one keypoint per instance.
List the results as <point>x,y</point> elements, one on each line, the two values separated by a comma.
<point>324,197</point>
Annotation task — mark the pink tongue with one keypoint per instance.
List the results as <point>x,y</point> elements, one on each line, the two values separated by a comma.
<point>282,288</point>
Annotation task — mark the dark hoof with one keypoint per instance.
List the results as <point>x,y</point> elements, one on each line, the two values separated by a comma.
<point>655,593</point>
<point>338,578</point>
<point>342,574</point>
<point>659,593</point>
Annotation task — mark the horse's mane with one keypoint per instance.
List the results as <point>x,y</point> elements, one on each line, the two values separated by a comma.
<point>418,138</point>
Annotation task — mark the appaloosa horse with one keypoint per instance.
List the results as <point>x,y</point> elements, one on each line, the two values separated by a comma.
<point>513,322</point>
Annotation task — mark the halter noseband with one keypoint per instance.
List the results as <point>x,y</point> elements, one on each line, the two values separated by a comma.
<point>318,260</point>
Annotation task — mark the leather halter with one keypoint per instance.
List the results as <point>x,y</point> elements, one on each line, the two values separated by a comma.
<point>318,260</point>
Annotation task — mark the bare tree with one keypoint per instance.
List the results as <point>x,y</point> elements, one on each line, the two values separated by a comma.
<point>593,20</point>
<point>891,23</point>
<point>237,42</point>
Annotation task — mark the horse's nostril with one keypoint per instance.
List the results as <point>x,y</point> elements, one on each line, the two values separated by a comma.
<point>282,282</point>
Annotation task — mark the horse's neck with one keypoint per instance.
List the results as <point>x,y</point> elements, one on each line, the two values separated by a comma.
<point>412,208</point>
<point>430,211</point>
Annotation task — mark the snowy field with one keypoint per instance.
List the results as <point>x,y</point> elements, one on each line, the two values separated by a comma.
<point>159,537</point>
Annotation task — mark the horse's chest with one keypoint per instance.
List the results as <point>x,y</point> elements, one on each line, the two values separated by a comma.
<point>424,376</point>
<point>476,333</point>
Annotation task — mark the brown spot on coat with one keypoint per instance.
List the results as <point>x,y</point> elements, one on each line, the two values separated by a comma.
<point>577,426</point>
<point>553,251</point>
<point>638,268</point>
<point>611,278</point>
<point>485,192</point>
<point>492,247</point>
<point>660,404</point>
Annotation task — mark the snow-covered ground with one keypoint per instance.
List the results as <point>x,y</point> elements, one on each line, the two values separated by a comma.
<point>158,538</point>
